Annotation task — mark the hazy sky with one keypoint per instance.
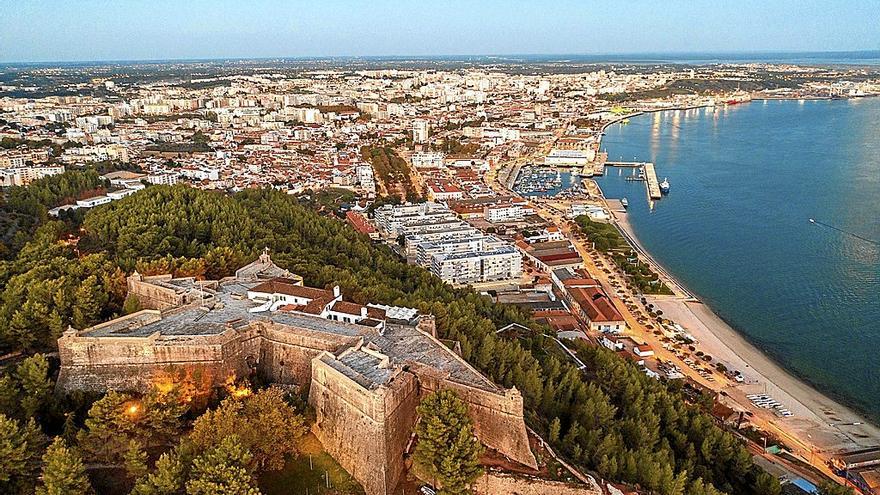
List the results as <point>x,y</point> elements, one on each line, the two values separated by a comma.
<point>58,30</point>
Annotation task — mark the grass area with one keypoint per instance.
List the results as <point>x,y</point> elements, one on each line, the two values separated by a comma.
<point>391,170</point>
<point>605,236</point>
<point>300,476</point>
<point>330,199</point>
<point>608,239</point>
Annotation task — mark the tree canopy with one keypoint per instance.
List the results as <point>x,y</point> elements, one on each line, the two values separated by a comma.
<point>264,423</point>
<point>447,448</point>
<point>63,472</point>
<point>611,419</point>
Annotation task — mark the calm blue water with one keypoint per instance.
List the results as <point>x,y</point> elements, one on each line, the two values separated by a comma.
<point>735,227</point>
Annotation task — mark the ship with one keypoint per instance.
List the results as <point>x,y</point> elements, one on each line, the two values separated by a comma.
<point>739,97</point>
<point>664,186</point>
<point>624,202</point>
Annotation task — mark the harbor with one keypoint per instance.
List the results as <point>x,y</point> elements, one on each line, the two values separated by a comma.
<point>811,424</point>
<point>655,188</point>
<point>535,180</point>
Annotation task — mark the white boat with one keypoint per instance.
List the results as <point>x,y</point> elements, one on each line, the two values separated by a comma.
<point>664,186</point>
<point>624,202</point>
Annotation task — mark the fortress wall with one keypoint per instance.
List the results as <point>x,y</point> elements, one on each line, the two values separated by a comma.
<point>286,353</point>
<point>287,364</point>
<point>134,363</point>
<point>492,483</point>
<point>152,296</point>
<point>401,400</point>
<point>137,378</point>
<point>354,428</point>
<point>497,416</point>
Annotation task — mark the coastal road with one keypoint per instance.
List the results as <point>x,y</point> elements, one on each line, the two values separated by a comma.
<point>612,280</point>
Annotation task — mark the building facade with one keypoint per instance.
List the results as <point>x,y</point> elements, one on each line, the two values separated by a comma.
<point>365,367</point>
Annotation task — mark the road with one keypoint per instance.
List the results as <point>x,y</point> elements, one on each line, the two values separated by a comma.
<point>603,269</point>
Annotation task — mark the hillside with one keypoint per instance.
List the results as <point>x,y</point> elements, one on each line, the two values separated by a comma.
<point>611,419</point>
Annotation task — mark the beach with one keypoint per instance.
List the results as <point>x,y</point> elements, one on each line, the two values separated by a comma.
<point>819,425</point>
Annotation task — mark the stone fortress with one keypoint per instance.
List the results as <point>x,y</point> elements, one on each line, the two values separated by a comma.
<point>365,367</point>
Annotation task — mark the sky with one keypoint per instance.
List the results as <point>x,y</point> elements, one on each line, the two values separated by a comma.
<point>88,30</point>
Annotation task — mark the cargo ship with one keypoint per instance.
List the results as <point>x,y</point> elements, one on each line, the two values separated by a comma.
<point>739,97</point>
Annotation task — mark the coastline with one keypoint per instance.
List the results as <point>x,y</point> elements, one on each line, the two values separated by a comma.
<point>820,423</point>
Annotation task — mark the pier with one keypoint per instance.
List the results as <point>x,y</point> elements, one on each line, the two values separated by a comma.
<point>651,180</point>
<point>650,176</point>
<point>625,164</point>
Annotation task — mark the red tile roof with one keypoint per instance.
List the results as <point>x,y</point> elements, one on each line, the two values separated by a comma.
<point>348,308</point>
<point>359,222</point>
<point>288,287</point>
<point>595,304</point>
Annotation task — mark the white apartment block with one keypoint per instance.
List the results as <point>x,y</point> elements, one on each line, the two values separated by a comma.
<point>421,131</point>
<point>165,179</point>
<point>507,212</point>
<point>428,160</point>
<point>503,263</point>
<point>22,176</point>
<point>392,219</point>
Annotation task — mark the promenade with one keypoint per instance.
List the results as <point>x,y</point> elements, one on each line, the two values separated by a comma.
<point>819,426</point>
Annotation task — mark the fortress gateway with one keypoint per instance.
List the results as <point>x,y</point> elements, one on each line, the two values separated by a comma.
<point>365,367</point>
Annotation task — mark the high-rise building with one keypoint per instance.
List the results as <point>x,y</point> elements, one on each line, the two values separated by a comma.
<point>421,130</point>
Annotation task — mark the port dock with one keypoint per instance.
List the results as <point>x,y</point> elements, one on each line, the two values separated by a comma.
<point>625,164</point>
<point>650,176</point>
<point>651,181</point>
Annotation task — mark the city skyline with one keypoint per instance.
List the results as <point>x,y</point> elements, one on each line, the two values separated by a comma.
<point>103,31</point>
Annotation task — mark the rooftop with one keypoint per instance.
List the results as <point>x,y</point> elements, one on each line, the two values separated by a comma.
<point>228,308</point>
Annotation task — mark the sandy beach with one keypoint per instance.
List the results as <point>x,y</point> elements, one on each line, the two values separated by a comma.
<point>820,426</point>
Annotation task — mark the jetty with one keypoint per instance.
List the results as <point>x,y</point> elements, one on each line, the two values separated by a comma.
<point>650,176</point>
<point>651,180</point>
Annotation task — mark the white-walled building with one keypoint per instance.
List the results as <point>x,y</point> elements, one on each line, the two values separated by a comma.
<point>22,176</point>
<point>421,131</point>
<point>428,160</point>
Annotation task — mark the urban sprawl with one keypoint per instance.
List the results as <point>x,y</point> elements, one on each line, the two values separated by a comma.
<point>481,174</point>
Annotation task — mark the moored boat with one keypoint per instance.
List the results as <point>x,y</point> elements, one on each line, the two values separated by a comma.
<point>664,186</point>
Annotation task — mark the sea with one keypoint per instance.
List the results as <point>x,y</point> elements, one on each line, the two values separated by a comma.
<point>736,228</point>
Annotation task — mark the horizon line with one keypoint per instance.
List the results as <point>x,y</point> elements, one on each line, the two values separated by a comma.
<point>704,54</point>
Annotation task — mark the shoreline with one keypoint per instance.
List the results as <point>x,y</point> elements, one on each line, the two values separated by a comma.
<point>814,411</point>
<point>820,423</point>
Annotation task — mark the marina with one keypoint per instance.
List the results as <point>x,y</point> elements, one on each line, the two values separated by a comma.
<point>533,180</point>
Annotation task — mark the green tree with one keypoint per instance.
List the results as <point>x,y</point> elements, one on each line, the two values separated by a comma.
<point>766,484</point>
<point>63,472</point>
<point>264,423</point>
<point>135,460</point>
<point>555,427</point>
<point>20,447</point>
<point>69,429</point>
<point>131,305</point>
<point>9,396</point>
<point>832,488</point>
<point>36,386</point>
<point>447,448</point>
<point>222,470</point>
<point>89,301</point>
<point>168,478</point>
<point>118,418</point>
